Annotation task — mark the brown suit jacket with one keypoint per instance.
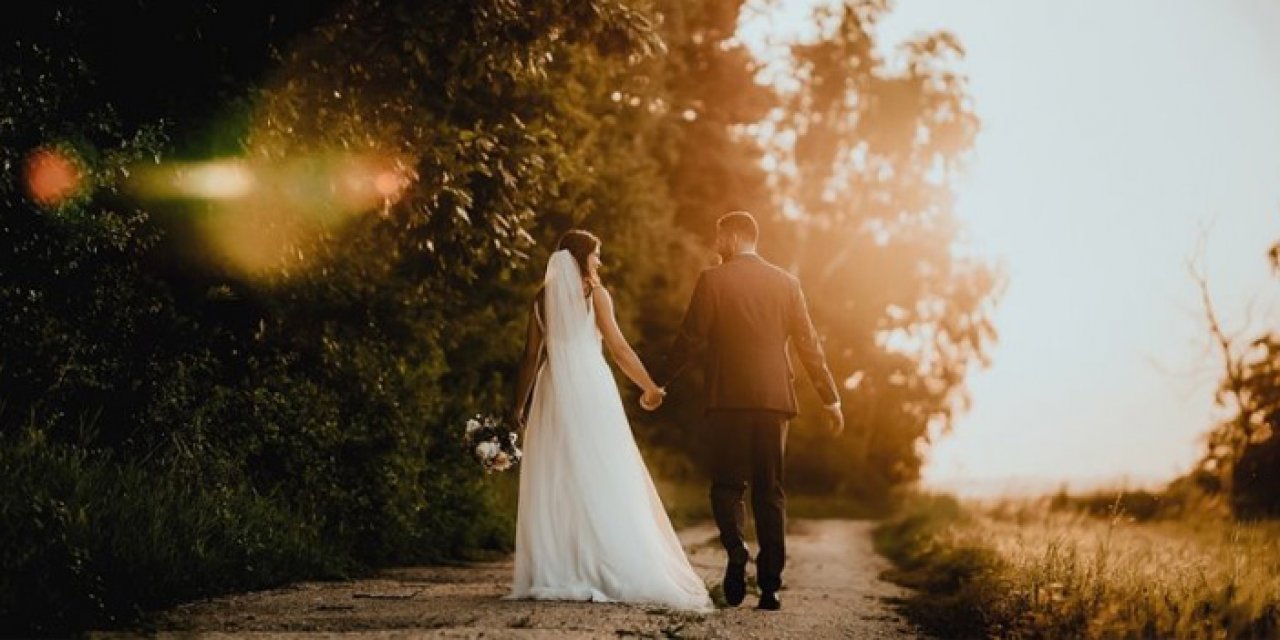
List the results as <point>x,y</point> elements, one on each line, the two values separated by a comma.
<point>740,319</point>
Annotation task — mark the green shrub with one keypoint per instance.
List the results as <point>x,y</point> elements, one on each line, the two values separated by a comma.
<point>88,540</point>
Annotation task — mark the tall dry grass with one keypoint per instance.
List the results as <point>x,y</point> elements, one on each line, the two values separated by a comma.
<point>1022,570</point>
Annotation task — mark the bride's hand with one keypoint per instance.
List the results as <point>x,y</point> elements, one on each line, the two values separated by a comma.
<point>652,399</point>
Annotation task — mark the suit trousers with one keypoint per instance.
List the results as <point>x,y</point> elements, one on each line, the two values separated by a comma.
<point>746,447</point>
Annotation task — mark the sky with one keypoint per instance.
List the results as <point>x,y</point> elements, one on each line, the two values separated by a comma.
<point>1117,137</point>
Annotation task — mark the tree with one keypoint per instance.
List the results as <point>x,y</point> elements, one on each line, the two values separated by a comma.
<point>1242,456</point>
<point>295,414</point>
<point>866,201</point>
<point>701,93</point>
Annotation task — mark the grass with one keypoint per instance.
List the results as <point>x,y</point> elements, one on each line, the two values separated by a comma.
<point>689,503</point>
<point>86,541</point>
<point>1022,570</point>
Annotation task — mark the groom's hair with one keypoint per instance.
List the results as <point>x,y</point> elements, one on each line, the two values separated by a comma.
<point>740,223</point>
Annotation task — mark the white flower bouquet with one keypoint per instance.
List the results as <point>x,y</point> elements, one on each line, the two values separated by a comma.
<point>494,447</point>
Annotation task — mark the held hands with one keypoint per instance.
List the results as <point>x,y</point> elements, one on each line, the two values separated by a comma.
<point>651,399</point>
<point>834,419</point>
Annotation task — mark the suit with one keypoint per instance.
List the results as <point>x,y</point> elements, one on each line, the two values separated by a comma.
<point>740,320</point>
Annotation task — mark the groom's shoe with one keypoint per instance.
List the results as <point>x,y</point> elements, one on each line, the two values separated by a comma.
<point>735,583</point>
<point>769,601</point>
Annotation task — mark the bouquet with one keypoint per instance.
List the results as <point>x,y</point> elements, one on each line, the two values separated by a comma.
<point>492,445</point>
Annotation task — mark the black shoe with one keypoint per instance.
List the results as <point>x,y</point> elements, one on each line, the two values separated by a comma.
<point>735,583</point>
<point>769,601</point>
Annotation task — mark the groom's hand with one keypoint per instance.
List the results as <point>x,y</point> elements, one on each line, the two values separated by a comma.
<point>834,419</point>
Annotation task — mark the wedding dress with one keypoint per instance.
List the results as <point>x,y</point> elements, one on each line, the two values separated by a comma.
<point>590,525</point>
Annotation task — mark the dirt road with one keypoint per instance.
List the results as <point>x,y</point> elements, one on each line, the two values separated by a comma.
<point>832,591</point>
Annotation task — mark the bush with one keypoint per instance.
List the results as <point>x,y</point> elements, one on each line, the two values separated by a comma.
<point>1255,486</point>
<point>89,540</point>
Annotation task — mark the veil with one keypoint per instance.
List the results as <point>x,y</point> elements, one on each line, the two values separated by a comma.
<point>568,316</point>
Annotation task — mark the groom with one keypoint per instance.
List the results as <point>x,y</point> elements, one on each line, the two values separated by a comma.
<point>742,315</point>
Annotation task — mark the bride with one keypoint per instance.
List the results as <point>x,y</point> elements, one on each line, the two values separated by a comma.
<point>590,524</point>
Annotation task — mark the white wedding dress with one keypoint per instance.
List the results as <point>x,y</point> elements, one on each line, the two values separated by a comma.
<point>590,524</point>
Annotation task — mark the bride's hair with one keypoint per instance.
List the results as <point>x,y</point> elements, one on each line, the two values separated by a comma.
<point>580,244</point>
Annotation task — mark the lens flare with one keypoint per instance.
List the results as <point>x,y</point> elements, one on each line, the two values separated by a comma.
<point>367,182</point>
<point>227,180</point>
<point>265,215</point>
<point>388,184</point>
<point>214,180</point>
<point>52,177</point>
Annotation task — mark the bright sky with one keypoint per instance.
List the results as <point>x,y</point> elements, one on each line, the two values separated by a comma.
<point>1113,132</point>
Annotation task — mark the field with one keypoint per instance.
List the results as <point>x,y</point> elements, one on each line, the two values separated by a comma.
<point>1025,570</point>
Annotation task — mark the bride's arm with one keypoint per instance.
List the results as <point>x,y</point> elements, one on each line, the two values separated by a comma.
<point>528,367</point>
<point>617,344</point>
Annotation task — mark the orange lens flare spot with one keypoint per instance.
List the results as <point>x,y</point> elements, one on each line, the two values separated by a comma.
<point>52,177</point>
<point>388,184</point>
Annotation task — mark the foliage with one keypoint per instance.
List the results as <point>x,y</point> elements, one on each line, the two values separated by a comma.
<point>318,396</point>
<point>89,539</point>
<point>706,95</point>
<point>1255,473</point>
<point>861,214</point>
<point>875,240</point>
<point>281,382</point>
<point>1243,451</point>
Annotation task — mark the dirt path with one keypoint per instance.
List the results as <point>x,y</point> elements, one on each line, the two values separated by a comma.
<point>833,591</point>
